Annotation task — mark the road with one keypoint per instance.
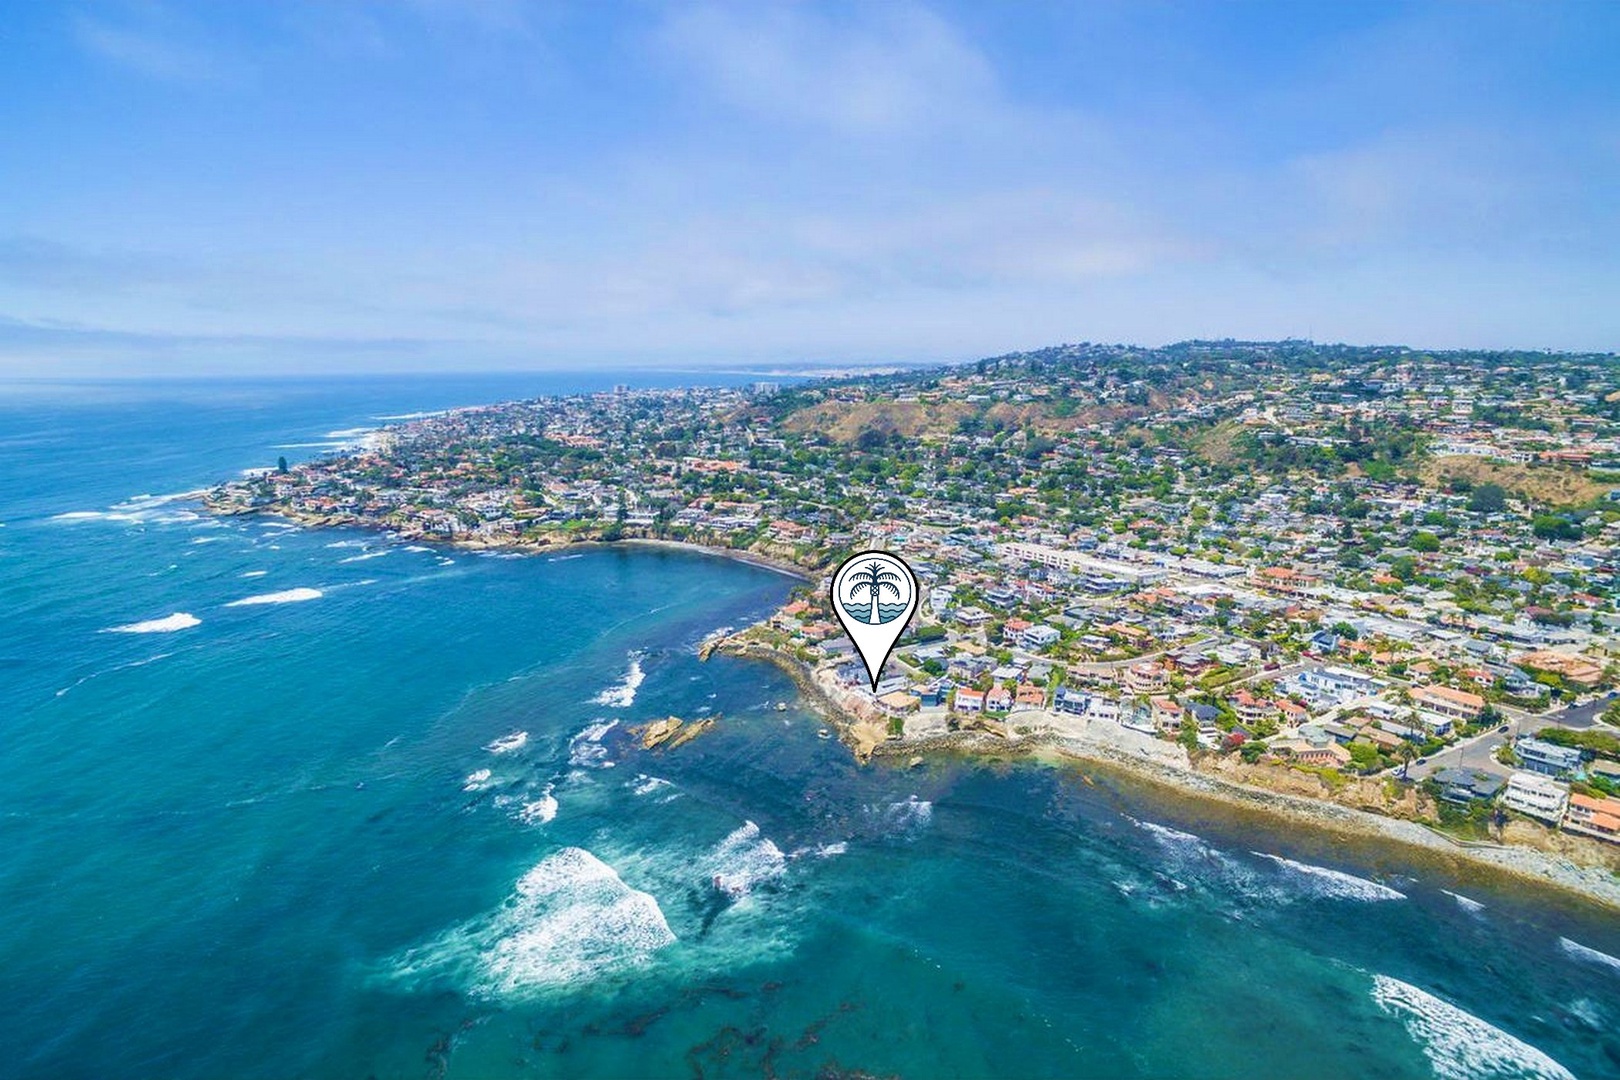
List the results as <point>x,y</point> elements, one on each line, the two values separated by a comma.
<point>1480,751</point>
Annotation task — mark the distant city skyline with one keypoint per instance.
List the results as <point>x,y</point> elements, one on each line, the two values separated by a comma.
<point>459,186</point>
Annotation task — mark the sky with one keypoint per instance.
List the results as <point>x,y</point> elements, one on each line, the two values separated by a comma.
<point>425,185</point>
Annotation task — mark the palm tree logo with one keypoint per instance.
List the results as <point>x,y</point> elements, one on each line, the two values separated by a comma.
<point>874,580</point>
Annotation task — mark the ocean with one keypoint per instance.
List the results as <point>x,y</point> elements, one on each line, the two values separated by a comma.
<point>278,802</point>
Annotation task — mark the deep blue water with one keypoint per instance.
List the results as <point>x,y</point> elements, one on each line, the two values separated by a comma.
<point>306,838</point>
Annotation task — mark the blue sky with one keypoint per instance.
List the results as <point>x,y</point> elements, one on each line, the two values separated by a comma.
<point>199,188</point>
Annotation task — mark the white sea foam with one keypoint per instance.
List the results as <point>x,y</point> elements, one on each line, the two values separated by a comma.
<point>623,694</point>
<point>417,547</point>
<point>569,920</point>
<point>585,750</point>
<point>206,539</point>
<point>646,785</point>
<point>1335,883</point>
<point>1467,903</point>
<point>346,544</point>
<point>908,814</point>
<point>1577,951</point>
<point>254,573</point>
<point>476,780</point>
<point>506,744</point>
<point>350,433</point>
<point>286,596</point>
<point>743,860</point>
<point>1458,1044</point>
<point>827,851</point>
<point>539,811</point>
<point>1172,837</point>
<point>364,555</point>
<point>180,620</point>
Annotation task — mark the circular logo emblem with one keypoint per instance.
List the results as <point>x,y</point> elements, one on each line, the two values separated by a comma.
<point>876,588</point>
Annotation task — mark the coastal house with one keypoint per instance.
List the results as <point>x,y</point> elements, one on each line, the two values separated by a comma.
<point>1030,696</point>
<point>1071,701</point>
<point>1146,677</point>
<point>999,699</point>
<point>1594,816</point>
<point>1452,704</point>
<point>1536,795</point>
<point>1332,755</point>
<point>1252,709</point>
<point>1166,714</point>
<point>1463,786</point>
<point>1547,758</point>
<point>968,700</point>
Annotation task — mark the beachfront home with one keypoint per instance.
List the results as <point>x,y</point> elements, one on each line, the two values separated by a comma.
<point>1598,817</point>
<point>1547,758</point>
<point>1463,786</point>
<point>1536,795</point>
<point>1000,699</point>
<point>968,701</point>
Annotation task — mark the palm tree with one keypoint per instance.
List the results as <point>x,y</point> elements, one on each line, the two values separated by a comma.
<point>1406,752</point>
<point>872,579</point>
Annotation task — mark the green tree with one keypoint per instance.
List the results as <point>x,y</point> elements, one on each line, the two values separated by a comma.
<point>1487,499</point>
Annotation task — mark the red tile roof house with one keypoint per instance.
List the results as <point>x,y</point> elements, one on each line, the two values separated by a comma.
<point>1166,714</point>
<point>1031,695</point>
<point>999,700</point>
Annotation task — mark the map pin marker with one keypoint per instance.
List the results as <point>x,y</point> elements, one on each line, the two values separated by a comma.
<point>874,594</point>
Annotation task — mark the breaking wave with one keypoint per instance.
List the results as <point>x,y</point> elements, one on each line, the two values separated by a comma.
<point>622,694</point>
<point>744,860</point>
<point>286,596</point>
<point>1467,903</point>
<point>506,744</point>
<point>180,620</point>
<point>1335,883</point>
<point>1577,951</point>
<point>1458,1044</point>
<point>569,920</point>
<point>539,811</point>
<point>585,750</point>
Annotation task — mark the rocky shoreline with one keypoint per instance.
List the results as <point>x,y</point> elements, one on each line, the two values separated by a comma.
<point>1140,758</point>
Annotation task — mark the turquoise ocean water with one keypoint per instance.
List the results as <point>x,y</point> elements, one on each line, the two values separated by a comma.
<point>384,820</point>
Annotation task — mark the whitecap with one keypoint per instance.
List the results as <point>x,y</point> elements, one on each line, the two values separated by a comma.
<point>286,596</point>
<point>586,750</point>
<point>908,814</point>
<point>1458,1044</point>
<point>364,555</point>
<point>1467,903</point>
<point>180,620</point>
<point>1577,951</point>
<point>476,780</point>
<point>346,544</point>
<point>743,860</point>
<point>539,811</point>
<point>570,920</point>
<point>253,573</point>
<point>1335,884</point>
<point>646,785</point>
<point>417,547</point>
<point>623,693</point>
<point>508,743</point>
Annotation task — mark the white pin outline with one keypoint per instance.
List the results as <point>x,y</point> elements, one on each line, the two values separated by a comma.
<point>874,671</point>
